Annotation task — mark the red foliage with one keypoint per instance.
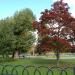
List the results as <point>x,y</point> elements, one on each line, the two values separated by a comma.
<point>35,24</point>
<point>49,44</point>
<point>65,25</point>
<point>61,41</point>
<point>72,50</point>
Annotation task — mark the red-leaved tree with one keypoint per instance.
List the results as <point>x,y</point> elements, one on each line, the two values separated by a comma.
<point>56,29</point>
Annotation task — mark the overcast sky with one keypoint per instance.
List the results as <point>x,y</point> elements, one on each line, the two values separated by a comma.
<point>9,7</point>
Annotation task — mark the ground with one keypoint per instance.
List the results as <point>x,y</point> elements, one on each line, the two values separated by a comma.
<point>47,61</point>
<point>43,62</point>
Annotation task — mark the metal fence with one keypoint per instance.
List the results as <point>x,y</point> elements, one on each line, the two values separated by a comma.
<point>35,70</point>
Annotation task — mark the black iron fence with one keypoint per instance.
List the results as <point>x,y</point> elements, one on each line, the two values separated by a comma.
<point>35,70</point>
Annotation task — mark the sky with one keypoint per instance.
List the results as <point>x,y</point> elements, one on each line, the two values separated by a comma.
<point>9,7</point>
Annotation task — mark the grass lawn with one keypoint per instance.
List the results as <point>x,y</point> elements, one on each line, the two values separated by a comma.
<point>43,62</point>
<point>38,61</point>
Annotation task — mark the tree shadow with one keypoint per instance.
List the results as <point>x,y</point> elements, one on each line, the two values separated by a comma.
<point>43,61</point>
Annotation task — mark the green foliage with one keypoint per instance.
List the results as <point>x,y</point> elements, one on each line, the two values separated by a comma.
<point>23,20</point>
<point>22,27</point>
<point>23,43</point>
<point>6,39</point>
<point>16,32</point>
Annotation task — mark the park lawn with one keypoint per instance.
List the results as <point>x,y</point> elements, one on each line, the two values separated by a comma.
<point>43,62</point>
<point>38,61</point>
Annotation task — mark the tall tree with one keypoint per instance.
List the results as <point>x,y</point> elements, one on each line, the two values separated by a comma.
<point>23,30</point>
<point>55,29</point>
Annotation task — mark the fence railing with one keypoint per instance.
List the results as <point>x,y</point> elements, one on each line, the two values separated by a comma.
<point>35,70</point>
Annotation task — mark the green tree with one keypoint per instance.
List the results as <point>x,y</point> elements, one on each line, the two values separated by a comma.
<point>23,20</point>
<point>23,30</point>
<point>16,33</point>
<point>6,38</point>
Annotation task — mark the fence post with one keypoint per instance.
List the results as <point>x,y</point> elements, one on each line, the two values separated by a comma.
<point>74,70</point>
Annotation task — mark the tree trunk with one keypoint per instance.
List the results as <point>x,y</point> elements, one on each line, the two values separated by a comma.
<point>3,56</point>
<point>15,54</point>
<point>57,53</point>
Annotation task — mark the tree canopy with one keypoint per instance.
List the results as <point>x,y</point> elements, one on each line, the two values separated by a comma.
<point>16,32</point>
<point>56,29</point>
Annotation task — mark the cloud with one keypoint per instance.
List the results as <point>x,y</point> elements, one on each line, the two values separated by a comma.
<point>71,4</point>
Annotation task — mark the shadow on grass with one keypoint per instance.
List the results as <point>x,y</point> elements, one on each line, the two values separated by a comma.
<point>52,62</point>
<point>3,60</point>
<point>37,61</point>
<point>43,61</point>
